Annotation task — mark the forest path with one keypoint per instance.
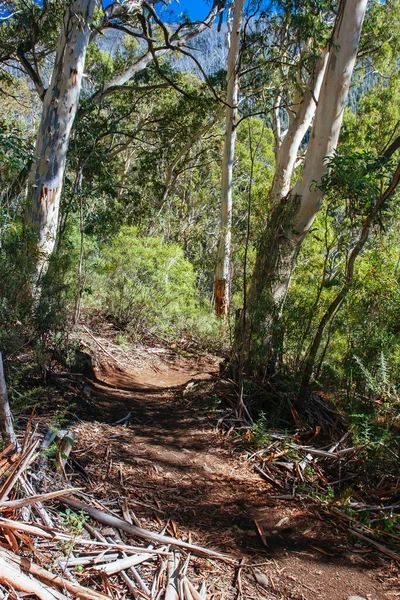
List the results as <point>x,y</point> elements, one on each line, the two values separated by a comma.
<point>170,462</point>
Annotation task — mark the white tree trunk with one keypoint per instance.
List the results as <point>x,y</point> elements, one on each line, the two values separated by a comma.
<point>294,214</point>
<point>302,116</point>
<point>59,109</point>
<point>221,287</point>
<point>6,424</point>
<point>329,114</point>
<point>276,123</point>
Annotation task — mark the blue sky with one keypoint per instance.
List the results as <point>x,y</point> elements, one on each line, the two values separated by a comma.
<point>196,9</point>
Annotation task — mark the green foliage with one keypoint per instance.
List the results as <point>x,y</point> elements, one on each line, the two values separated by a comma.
<point>253,178</point>
<point>44,320</point>
<point>14,152</point>
<point>364,326</point>
<point>259,432</point>
<point>358,177</point>
<point>380,41</point>
<point>375,121</point>
<point>28,25</point>
<point>147,285</point>
<point>75,523</point>
<point>99,64</point>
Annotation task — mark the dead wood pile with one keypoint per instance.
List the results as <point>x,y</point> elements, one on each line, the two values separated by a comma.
<point>91,552</point>
<point>304,472</point>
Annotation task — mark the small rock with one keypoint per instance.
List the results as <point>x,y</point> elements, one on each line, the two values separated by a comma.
<point>261,579</point>
<point>356,598</point>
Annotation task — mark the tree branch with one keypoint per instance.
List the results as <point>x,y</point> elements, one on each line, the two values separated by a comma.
<point>34,75</point>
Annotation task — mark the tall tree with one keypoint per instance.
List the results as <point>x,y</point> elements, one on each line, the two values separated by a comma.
<point>293,213</point>
<point>221,285</point>
<point>60,104</point>
<point>60,100</point>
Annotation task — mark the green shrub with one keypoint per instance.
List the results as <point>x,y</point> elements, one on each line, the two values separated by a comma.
<point>147,286</point>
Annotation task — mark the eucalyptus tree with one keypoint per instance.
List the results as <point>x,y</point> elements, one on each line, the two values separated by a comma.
<point>60,103</point>
<point>281,45</point>
<point>221,285</point>
<point>137,18</point>
<point>294,208</point>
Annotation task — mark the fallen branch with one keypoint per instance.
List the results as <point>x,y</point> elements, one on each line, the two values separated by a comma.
<point>268,477</point>
<point>74,588</point>
<point>379,547</point>
<point>34,499</point>
<point>16,471</point>
<point>112,521</point>
<point>122,564</point>
<point>102,347</point>
<point>173,570</point>
<point>55,535</point>
<point>22,582</point>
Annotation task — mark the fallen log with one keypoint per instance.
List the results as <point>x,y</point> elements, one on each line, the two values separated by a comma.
<point>379,547</point>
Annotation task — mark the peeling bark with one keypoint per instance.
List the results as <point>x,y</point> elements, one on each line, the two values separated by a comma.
<point>59,109</point>
<point>220,293</point>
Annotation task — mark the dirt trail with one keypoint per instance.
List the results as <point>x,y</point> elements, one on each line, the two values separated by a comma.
<point>170,462</point>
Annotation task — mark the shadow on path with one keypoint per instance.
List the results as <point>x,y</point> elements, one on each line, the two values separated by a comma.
<point>170,462</point>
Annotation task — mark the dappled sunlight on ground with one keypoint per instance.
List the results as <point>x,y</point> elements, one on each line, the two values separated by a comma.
<point>170,462</point>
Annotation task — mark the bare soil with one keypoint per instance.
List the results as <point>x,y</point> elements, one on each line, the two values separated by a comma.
<point>170,462</point>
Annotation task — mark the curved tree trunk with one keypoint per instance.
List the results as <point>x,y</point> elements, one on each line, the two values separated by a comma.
<point>60,106</point>
<point>221,285</point>
<point>299,124</point>
<point>59,109</point>
<point>293,215</point>
<point>340,297</point>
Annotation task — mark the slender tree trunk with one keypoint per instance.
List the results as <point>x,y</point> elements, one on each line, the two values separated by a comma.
<point>6,424</point>
<point>338,300</point>
<point>293,214</point>
<point>276,123</point>
<point>299,124</point>
<point>59,108</point>
<point>221,285</point>
<point>79,274</point>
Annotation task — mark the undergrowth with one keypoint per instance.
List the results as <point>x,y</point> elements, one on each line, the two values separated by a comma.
<point>148,288</point>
